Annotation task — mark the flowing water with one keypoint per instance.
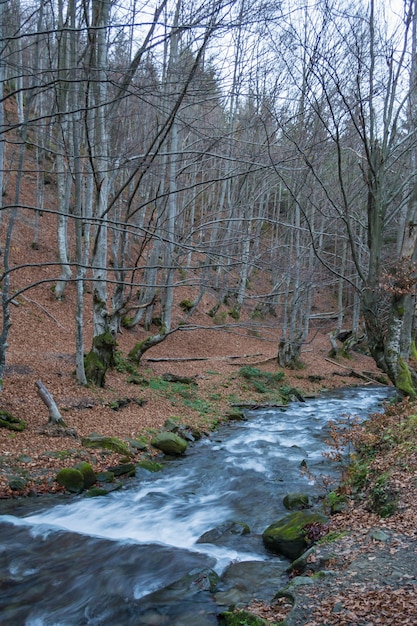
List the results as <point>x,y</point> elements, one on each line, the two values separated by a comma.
<point>145,554</point>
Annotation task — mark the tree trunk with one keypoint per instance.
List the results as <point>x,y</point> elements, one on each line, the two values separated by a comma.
<point>54,414</point>
<point>63,178</point>
<point>102,353</point>
<point>100,358</point>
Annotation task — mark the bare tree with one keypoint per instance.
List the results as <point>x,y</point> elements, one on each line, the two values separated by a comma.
<point>356,94</point>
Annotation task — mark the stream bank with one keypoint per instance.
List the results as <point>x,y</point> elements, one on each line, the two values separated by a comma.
<point>364,572</point>
<point>369,576</point>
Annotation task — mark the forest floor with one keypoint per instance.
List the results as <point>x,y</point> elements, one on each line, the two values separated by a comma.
<point>41,347</point>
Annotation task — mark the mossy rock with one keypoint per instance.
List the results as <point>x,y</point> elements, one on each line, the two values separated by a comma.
<point>7,420</point>
<point>95,492</point>
<point>88,473</point>
<point>124,469</point>
<point>288,536</point>
<point>236,415</point>
<point>105,477</point>
<point>138,379</point>
<point>107,443</point>
<point>172,424</point>
<point>71,478</point>
<point>17,483</point>
<point>169,443</point>
<point>24,458</point>
<point>150,466</point>
<point>224,530</point>
<point>104,489</point>
<point>296,501</point>
<point>138,444</point>
<point>240,618</point>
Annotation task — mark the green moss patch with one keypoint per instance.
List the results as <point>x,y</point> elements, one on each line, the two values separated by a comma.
<point>108,443</point>
<point>261,381</point>
<point>290,535</point>
<point>240,618</point>
<point>7,420</point>
<point>71,478</point>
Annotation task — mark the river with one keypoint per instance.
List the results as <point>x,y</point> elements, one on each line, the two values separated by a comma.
<point>138,556</point>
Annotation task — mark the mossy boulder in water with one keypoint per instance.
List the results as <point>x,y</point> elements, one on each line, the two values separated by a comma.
<point>103,490</point>
<point>296,501</point>
<point>227,618</point>
<point>71,478</point>
<point>150,466</point>
<point>124,469</point>
<point>216,535</point>
<point>169,443</point>
<point>87,472</point>
<point>95,492</point>
<point>288,536</point>
<point>105,477</point>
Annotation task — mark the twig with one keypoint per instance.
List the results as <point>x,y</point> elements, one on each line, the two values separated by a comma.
<point>44,310</point>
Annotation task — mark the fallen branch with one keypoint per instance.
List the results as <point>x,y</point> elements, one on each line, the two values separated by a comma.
<point>356,373</point>
<point>321,316</point>
<point>44,310</point>
<point>167,359</point>
<point>203,358</point>
<point>54,414</point>
<point>266,405</point>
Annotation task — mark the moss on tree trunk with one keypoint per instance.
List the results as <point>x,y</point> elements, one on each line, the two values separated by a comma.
<point>100,358</point>
<point>141,347</point>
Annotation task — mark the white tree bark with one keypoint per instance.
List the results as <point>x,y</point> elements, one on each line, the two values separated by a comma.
<point>55,416</point>
<point>63,178</point>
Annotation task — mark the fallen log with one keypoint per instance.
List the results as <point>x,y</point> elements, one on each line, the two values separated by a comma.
<point>201,358</point>
<point>264,405</point>
<point>356,373</point>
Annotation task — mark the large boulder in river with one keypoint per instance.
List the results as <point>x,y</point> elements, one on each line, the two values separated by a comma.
<point>87,472</point>
<point>223,531</point>
<point>234,618</point>
<point>296,501</point>
<point>289,535</point>
<point>71,478</point>
<point>169,443</point>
